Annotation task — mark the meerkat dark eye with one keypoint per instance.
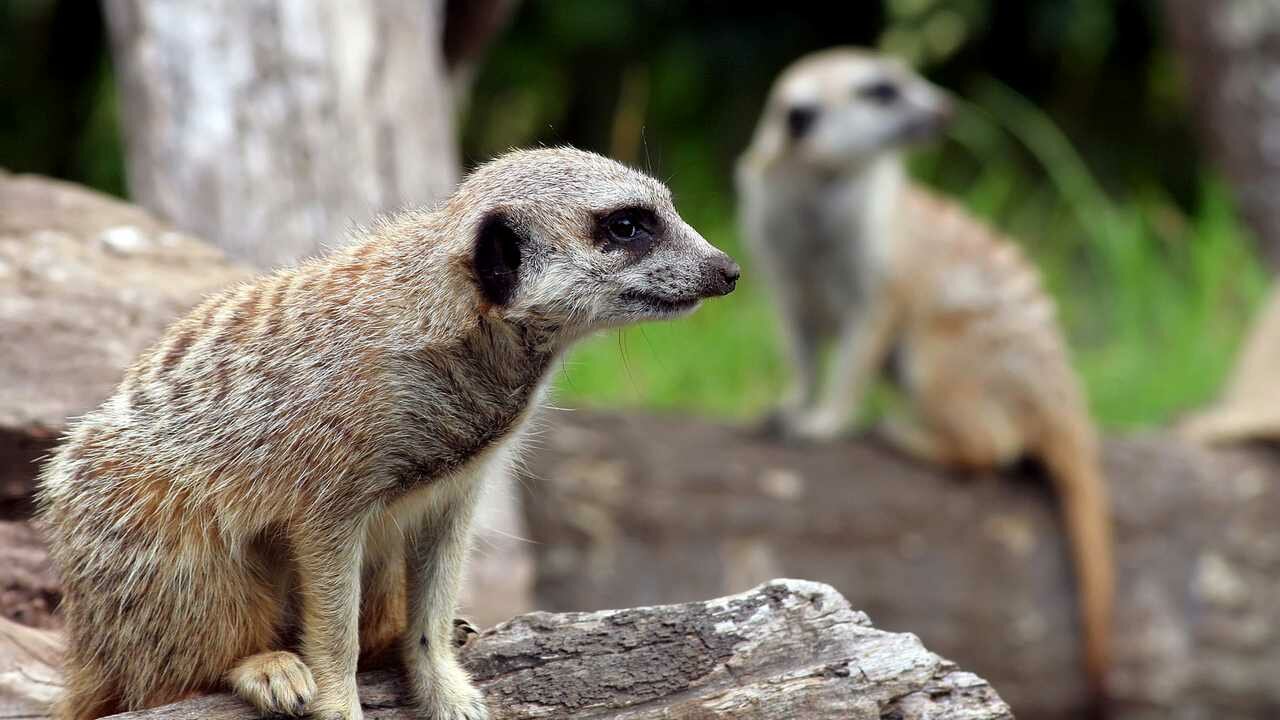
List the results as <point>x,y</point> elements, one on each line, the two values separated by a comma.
<point>882,92</point>
<point>631,228</point>
<point>623,229</point>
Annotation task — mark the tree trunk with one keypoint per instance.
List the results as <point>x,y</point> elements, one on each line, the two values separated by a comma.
<point>268,126</point>
<point>1231,53</point>
<point>788,649</point>
<point>639,510</point>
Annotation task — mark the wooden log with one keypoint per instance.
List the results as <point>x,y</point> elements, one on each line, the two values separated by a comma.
<point>787,649</point>
<point>640,510</point>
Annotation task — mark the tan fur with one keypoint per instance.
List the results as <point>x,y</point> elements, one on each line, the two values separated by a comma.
<point>285,481</point>
<point>979,354</point>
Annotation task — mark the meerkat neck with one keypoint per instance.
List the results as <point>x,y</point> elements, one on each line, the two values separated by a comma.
<point>875,189</point>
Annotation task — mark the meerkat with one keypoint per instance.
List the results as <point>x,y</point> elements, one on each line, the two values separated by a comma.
<point>888,273</point>
<point>281,487</point>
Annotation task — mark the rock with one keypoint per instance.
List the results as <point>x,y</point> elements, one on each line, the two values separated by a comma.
<point>86,283</point>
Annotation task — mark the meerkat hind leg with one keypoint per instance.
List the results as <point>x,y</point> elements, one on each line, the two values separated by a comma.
<point>276,683</point>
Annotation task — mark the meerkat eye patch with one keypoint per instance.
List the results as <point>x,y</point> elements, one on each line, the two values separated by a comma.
<point>630,228</point>
<point>881,92</point>
<point>497,259</point>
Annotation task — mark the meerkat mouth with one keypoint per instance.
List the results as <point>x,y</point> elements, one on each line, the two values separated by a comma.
<point>661,305</point>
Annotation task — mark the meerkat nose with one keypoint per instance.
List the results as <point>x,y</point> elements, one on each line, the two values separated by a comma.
<point>725,273</point>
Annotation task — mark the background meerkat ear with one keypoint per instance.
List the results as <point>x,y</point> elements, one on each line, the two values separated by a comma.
<point>497,258</point>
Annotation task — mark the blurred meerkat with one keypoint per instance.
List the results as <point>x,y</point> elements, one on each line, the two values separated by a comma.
<point>283,484</point>
<point>860,258</point>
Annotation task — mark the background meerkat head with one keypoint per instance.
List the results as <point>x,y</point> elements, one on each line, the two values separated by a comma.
<point>574,240</point>
<point>842,107</point>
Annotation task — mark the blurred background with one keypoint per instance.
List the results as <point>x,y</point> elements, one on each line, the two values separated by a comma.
<point>1129,146</point>
<point>1077,137</point>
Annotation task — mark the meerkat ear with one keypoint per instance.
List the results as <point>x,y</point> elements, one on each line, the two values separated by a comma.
<point>497,258</point>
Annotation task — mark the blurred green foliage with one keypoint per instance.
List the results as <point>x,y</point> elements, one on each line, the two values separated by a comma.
<point>1074,138</point>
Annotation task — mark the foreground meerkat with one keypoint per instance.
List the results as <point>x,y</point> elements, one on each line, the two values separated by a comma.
<point>283,484</point>
<point>858,257</point>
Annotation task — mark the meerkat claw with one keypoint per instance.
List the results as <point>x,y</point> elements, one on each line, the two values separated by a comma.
<point>463,632</point>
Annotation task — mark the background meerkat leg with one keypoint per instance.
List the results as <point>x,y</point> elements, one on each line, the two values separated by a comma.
<point>328,564</point>
<point>864,343</point>
<point>434,554</point>
<point>802,339</point>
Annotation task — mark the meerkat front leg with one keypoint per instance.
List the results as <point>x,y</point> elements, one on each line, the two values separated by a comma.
<point>802,341</point>
<point>328,564</point>
<point>864,342</point>
<point>434,553</point>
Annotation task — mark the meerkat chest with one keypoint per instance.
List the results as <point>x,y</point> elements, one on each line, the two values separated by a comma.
<point>452,414</point>
<point>816,237</point>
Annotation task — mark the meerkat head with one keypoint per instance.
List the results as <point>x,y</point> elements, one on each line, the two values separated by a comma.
<point>573,240</point>
<point>842,107</point>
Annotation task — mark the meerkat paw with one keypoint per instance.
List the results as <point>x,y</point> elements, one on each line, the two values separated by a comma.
<point>817,426</point>
<point>447,694</point>
<point>454,705</point>
<point>337,711</point>
<point>276,683</point>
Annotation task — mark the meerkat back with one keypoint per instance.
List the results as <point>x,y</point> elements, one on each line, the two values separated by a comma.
<point>989,381</point>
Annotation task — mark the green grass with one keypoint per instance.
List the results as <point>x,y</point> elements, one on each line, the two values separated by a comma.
<point>1154,301</point>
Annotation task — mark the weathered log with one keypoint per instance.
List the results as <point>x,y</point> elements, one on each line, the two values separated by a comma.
<point>787,649</point>
<point>662,509</point>
<point>268,126</point>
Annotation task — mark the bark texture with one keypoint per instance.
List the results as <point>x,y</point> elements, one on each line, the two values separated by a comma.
<point>787,649</point>
<point>268,126</point>
<point>645,510</point>
<point>1231,53</point>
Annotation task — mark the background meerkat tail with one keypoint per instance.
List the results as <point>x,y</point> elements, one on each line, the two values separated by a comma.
<point>1072,458</point>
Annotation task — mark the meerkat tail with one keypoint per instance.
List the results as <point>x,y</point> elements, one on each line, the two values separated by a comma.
<point>1072,460</point>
